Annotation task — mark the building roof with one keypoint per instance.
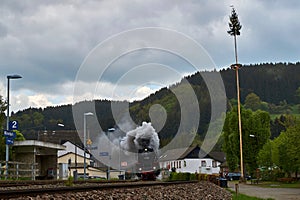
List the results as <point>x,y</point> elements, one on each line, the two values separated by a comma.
<point>190,152</point>
<point>38,144</point>
<point>69,153</point>
<point>219,156</point>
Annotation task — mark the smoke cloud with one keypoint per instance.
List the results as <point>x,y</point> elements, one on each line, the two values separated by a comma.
<point>142,137</point>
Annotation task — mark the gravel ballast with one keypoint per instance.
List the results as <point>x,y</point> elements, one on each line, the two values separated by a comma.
<point>190,191</point>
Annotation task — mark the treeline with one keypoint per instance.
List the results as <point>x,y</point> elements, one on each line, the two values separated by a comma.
<point>275,84</point>
<point>33,120</point>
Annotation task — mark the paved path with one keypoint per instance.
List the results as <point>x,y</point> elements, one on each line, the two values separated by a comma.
<point>274,193</point>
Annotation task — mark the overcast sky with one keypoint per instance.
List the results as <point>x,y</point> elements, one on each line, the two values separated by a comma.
<point>49,43</point>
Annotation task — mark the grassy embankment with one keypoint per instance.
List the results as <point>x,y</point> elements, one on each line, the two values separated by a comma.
<point>245,197</point>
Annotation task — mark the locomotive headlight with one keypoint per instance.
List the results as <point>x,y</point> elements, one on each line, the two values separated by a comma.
<point>154,168</point>
<point>140,169</point>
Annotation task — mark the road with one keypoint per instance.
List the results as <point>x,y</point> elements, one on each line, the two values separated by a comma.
<point>274,193</point>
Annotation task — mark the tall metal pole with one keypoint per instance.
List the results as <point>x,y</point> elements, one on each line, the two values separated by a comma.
<point>120,154</point>
<point>75,152</point>
<point>7,121</point>
<point>110,130</point>
<point>84,144</point>
<point>108,167</point>
<point>7,128</point>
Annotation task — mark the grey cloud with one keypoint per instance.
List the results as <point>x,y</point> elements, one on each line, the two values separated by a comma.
<point>3,31</point>
<point>138,58</point>
<point>47,41</point>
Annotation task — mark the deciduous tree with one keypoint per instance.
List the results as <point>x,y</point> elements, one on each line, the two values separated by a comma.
<point>287,148</point>
<point>255,124</point>
<point>252,102</point>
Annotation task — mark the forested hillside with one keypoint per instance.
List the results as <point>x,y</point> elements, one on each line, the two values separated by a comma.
<point>275,84</point>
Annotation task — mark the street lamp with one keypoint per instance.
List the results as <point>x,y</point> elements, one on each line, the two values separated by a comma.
<point>15,76</point>
<point>84,141</point>
<point>75,147</point>
<point>120,140</point>
<point>61,125</point>
<point>110,130</point>
<point>46,132</point>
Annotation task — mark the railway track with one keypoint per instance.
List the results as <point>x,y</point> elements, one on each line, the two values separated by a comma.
<point>50,182</point>
<point>40,188</point>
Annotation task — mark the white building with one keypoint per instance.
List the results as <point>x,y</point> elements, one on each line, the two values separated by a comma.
<point>189,161</point>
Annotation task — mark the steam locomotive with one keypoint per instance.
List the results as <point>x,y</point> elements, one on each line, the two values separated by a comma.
<point>147,167</point>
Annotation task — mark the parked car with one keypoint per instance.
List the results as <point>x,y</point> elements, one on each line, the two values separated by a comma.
<point>236,176</point>
<point>233,176</point>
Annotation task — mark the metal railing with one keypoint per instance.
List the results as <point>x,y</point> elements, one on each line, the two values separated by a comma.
<point>18,170</point>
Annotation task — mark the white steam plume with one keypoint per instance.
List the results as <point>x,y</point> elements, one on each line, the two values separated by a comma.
<point>142,137</point>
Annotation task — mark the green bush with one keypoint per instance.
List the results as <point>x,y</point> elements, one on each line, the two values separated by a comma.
<point>271,175</point>
<point>70,180</point>
<point>186,176</point>
<point>193,177</point>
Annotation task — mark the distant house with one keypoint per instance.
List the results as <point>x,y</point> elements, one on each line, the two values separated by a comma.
<point>192,160</point>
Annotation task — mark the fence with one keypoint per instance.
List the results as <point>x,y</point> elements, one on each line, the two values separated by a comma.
<point>18,170</point>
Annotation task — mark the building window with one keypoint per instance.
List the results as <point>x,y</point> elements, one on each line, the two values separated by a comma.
<point>179,164</point>
<point>214,163</point>
<point>203,163</point>
<point>184,163</point>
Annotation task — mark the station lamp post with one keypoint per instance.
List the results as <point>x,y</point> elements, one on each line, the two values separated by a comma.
<point>110,130</point>
<point>15,76</point>
<point>84,142</point>
<point>75,147</point>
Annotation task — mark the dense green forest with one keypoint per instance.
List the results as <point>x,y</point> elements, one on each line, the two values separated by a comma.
<point>273,83</point>
<point>273,88</point>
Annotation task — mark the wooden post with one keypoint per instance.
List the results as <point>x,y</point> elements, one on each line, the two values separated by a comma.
<point>236,189</point>
<point>17,170</point>
<point>240,122</point>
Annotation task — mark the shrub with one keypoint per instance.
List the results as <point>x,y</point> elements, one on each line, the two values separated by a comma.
<point>186,176</point>
<point>69,182</point>
<point>193,177</point>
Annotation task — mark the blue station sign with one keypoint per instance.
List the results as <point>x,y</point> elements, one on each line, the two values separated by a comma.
<point>9,141</point>
<point>103,153</point>
<point>13,125</point>
<point>9,134</point>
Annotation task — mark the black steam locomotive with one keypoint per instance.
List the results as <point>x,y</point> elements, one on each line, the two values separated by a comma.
<point>147,167</point>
